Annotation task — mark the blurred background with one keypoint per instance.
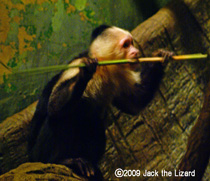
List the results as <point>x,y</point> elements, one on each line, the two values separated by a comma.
<point>38,33</point>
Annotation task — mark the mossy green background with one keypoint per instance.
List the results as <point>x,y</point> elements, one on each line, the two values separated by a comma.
<point>37,33</point>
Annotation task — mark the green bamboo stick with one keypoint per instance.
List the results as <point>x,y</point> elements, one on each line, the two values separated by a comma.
<point>108,62</point>
<point>65,67</point>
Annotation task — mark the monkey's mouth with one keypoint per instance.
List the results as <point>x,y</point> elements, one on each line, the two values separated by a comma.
<point>134,59</point>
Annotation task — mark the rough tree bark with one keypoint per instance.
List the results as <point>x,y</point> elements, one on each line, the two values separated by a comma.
<point>40,171</point>
<point>198,147</point>
<point>156,139</point>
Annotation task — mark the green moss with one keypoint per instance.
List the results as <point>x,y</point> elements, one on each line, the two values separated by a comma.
<point>57,20</point>
<point>16,1</point>
<point>49,32</point>
<point>12,63</point>
<point>31,29</point>
<point>79,4</point>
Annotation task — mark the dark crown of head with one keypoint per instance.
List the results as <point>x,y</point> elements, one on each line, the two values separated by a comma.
<point>98,31</point>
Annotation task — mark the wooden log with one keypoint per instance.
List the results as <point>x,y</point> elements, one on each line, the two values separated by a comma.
<point>198,147</point>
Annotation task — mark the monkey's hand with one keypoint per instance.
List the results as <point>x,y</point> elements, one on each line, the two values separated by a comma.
<point>167,55</point>
<point>90,68</point>
<point>80,166</point>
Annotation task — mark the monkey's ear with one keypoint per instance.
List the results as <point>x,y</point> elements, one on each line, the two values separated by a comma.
<point>98,31</point>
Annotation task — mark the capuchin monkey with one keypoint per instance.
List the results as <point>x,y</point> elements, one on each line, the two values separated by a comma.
<point>68,124</point>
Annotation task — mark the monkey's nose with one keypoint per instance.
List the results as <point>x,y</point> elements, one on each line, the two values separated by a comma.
<point>135,53</point>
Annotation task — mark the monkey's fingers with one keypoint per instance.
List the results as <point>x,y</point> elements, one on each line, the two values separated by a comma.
<point>91,65</point>
<point>80,166</point>
<point>87,71</point>
<point>85,167</point>
<point>167,55</point>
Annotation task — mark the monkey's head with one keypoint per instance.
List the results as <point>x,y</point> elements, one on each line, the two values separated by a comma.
<point>110,42</point>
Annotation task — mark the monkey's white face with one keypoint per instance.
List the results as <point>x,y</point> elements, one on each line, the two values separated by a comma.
<point>115,43</point>
<point>128,48</point>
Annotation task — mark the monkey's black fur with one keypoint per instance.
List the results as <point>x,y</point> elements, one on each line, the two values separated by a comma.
<point>74,134</point>
<point>98,31</point>
<point>151,75</point>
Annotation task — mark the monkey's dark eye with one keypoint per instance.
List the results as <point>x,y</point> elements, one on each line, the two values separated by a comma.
<point>126,44</point>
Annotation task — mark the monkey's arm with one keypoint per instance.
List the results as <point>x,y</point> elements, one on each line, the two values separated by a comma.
<point>70,87</point>
<point>141,94</point>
